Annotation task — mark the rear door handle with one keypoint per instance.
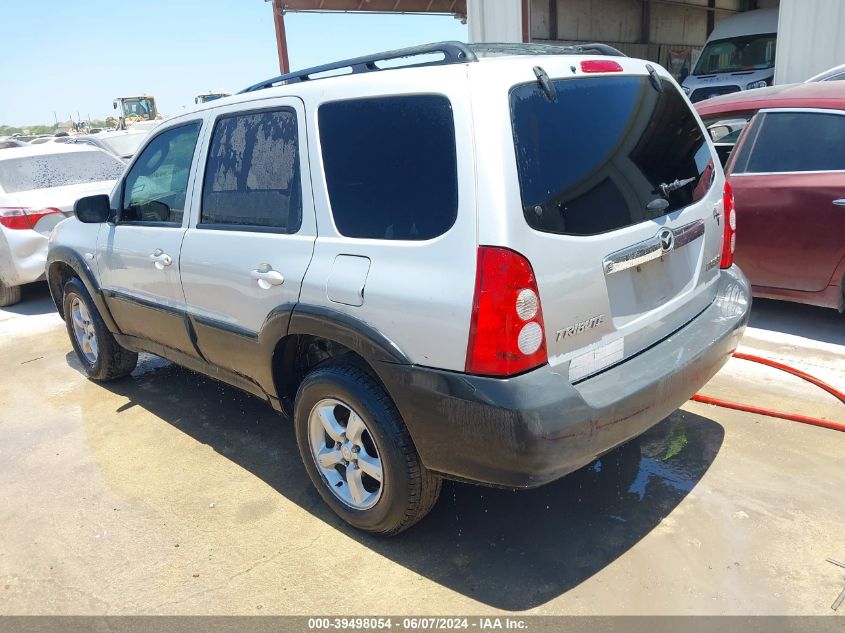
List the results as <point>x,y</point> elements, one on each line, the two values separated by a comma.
<point>160,259</point>
<point>840,202</point>
<point>267,277</point>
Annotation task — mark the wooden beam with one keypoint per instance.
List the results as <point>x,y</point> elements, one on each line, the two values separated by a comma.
<point>526,24</point>
<point>552,19</point>
<point>645,22</point>
<point>711,16</point>
<point>281,38</point>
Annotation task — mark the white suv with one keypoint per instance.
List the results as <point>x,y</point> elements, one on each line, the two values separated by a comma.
<point>494,267</point>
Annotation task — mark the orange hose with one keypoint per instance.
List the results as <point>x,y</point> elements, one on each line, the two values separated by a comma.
<point>795,372</point>
<point>837,426</point>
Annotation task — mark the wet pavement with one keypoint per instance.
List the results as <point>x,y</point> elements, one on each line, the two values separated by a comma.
<point>169,493</point>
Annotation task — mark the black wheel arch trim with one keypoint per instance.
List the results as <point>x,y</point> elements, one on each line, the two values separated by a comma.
<point>350,332</point>
<point>72,259</point>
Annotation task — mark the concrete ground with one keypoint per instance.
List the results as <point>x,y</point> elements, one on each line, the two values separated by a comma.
<point>168,493</point>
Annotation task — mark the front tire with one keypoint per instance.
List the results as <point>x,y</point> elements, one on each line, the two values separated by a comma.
<point>101,356</point>
<point>9,295</point>
<point>358,453</point>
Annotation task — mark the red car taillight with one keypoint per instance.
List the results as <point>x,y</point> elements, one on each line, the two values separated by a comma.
<point>23,217</point>
<point>506,335</point>
<point>729,243</point>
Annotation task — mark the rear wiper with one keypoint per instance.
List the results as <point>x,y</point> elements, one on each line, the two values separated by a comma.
<point>667,188</point>
<point>654,78</point>
<point>545,83</point>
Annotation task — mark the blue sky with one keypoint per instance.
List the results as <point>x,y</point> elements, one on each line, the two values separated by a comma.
<point>76,56</point>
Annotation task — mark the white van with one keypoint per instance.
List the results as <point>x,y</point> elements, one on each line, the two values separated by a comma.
<point>739,55</point>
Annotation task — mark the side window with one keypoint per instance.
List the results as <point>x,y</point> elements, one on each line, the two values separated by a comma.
<point>391,166</point>
<point>252,175</point>
<point>794,142</point>
<point>157,184</point>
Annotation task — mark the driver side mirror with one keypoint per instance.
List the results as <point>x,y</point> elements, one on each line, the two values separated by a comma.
<point>93,209</point>
<point>684,73</point>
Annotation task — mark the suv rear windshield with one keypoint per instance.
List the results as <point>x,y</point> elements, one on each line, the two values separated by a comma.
<point>607,153</point>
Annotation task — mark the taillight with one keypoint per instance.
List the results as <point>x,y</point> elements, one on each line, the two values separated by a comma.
<point>506,335</point>
<point>729,241</point>
<point>600,66</point>
<point>22,217</point>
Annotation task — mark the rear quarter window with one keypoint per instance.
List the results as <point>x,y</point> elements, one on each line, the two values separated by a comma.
<point>390,166</point>
<point>607,153</point>
<point>791,141</point>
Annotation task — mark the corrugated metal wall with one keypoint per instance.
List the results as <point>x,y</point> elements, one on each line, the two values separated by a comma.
<point>674,37</point>
<point>811,38</point>
<point>494,22</point>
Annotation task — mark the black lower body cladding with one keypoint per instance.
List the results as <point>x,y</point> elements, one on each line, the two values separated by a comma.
<point>526,431</point>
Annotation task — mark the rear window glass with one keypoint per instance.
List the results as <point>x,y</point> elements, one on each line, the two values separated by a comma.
<point>58,170</point>
<point>794,141</point>
<point>609,152</point>
<point>390,165</point>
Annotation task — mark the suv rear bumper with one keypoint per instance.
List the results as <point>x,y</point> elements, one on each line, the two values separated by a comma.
<point>526,431</point>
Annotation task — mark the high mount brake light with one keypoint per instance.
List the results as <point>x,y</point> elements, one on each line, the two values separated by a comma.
<point>600,66</point>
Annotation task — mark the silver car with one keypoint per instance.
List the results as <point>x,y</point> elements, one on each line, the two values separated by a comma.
<point>494,268</point>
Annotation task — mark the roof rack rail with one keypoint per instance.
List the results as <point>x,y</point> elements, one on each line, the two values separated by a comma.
<point>453,53</point>
<point>482,50</point>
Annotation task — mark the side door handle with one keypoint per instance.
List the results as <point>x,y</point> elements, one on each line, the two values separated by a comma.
<point>840,202</point>
<point>160,259</point>
<point>267,277</point>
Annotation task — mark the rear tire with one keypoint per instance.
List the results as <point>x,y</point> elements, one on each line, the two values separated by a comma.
<point>9,295</point>
<point>100,354</point>
<point>336,391</point>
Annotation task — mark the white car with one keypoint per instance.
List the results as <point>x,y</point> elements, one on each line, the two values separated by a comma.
<point>38,186</point>
<point>837,73</point>
<point>121,143</point>
<point>41,140</point>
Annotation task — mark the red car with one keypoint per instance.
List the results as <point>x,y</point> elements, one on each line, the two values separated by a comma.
<point>787,171</point>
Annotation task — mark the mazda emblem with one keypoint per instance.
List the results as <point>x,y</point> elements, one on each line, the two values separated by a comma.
<point>667,240</point>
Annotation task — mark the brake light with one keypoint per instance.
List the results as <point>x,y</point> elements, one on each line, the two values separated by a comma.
<point>506,334</point>
<point>729,241</point>
<point>18,218</point>
<point>600,66</point>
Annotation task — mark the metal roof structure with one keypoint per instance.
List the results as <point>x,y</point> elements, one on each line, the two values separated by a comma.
<point>456,8</point>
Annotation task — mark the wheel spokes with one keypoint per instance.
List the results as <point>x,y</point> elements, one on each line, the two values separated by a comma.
<point>329,457</point>
<point>83,312</point>
<point>330,424</point>
<point>355,428</point>
<point>356,486</point>
<point>370,466</point>
<point>77,320</point>
<point>338,437</point>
